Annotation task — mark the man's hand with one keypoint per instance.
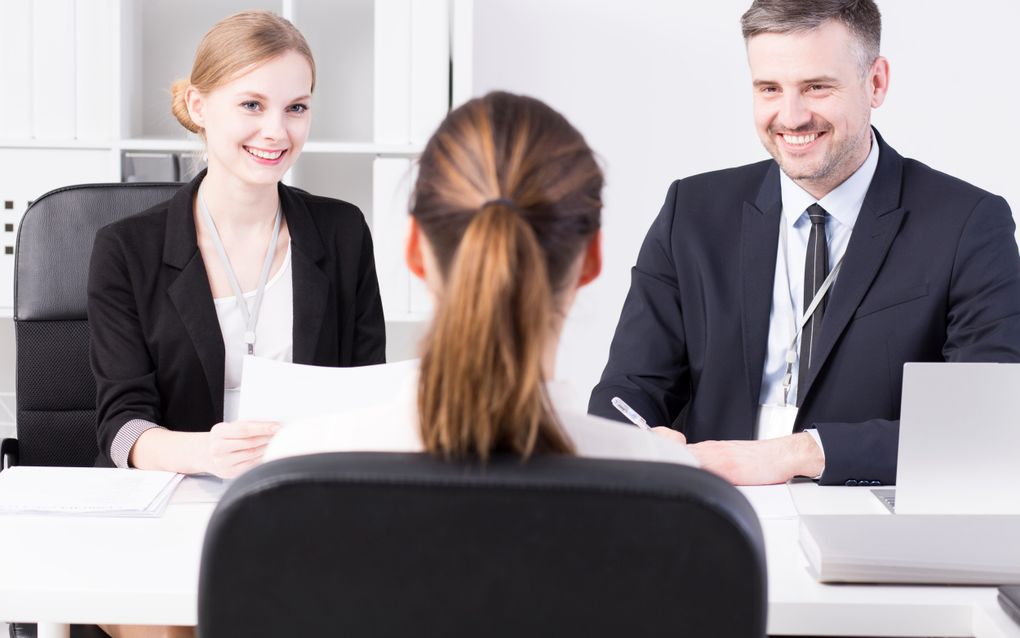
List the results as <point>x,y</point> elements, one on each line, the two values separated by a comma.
<point>761,462</point>
<point>671,434</point>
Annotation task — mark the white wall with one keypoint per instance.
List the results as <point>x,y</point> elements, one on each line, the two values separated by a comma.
<point>661,90</point>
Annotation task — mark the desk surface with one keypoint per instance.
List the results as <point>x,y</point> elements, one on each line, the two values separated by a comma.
<point>145,571</point>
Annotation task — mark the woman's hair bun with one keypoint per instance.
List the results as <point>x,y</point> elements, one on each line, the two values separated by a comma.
<point>179,107</point>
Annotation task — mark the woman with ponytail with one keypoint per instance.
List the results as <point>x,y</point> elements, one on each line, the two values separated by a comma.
<point>505,229</point>
<point>236,263</point>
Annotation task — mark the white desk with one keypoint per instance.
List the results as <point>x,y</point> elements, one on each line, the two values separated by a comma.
<point>145,571</point>
<point>90,570</point>
<point>798,605</point>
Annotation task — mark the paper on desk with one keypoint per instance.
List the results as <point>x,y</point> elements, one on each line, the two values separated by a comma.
<point>278,391</point>
<point>85,491</point>
<point>770,501</point>
<point>200,489</point>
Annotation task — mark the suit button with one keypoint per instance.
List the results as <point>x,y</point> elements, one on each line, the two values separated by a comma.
<point>850,483</point>
<point>876,483</point>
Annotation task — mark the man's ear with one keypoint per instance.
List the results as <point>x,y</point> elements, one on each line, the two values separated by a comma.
<point>879,81</point>
<point>412,255</point>
<point>592,264</point>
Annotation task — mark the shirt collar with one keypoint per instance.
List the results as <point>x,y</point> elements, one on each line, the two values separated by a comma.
<point>843,203</point>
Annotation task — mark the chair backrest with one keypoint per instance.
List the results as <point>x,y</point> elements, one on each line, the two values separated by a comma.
<point>56,393</point>
<point>373,544</point>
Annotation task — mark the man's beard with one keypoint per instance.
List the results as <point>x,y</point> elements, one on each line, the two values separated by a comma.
<point>834,159</point>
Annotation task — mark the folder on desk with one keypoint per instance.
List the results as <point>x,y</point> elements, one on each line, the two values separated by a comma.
<point>921,549</point>
<point>85,491</point>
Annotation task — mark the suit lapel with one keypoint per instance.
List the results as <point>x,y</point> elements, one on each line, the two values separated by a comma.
<point>758,244</point>
<point>311,284</point>
<point>877,226</point>
<point>190,292</point>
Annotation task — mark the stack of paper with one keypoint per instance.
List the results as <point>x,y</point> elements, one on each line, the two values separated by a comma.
<point>85,491</point>
<point>884,548</point>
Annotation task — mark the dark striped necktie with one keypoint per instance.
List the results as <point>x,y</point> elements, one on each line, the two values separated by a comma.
<point>816,268</point>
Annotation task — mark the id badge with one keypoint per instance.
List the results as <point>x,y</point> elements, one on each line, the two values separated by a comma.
<point>775,421</point>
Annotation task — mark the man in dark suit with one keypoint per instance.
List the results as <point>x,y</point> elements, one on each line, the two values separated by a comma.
<point>773,305</point>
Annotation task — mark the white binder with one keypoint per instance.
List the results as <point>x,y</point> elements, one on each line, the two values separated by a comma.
<point>53,69</point>
<point>16,70</point>
<point>95,66</point>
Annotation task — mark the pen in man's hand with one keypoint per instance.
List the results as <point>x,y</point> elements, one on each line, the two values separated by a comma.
<point>629,412</point>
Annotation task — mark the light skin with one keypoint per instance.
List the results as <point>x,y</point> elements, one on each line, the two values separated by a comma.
<point>422,263</point>
<point>812,111</point>
<point>255,126</point>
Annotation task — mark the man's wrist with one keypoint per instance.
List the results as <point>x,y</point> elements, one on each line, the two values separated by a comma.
<point>808,457</point>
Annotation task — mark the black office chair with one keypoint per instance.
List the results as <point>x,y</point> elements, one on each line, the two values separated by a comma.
<point>374,544</point>
<point>56,393</point>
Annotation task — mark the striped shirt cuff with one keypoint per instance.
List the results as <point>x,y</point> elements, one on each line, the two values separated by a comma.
<point>120,449</point>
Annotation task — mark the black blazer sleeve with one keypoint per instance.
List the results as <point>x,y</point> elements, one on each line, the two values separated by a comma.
<point>125,373</point>
<point>647,364</point>
<point>983,324</point>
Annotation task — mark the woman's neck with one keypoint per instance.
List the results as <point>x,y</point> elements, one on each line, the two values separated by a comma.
<point>237,207</point>
<point>552,346</point>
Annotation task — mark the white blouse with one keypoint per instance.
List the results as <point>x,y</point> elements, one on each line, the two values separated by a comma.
<point>393,427</point>
<point>274,332</point>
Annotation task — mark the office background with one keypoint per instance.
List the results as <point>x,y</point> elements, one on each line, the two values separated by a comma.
<point>659,87</point>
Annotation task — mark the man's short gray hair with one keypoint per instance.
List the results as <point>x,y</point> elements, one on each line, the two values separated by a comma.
<point>861,18</point>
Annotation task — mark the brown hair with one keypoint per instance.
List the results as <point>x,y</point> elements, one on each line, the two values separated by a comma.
<point>230,47</point>
<point>861,17</point>
<point>508,195</point>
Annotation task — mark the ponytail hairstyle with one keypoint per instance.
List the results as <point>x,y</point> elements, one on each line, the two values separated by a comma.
<point>232,46</point>
<point>509,196</point>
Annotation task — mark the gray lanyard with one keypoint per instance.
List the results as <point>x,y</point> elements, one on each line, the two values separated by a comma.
<point>250,317</point>
<point>795,328</point>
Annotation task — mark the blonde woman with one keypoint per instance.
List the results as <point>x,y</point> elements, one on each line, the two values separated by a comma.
<point>235,263</point>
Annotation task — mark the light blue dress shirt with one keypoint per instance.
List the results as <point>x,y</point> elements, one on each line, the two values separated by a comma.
<point>843,205</point>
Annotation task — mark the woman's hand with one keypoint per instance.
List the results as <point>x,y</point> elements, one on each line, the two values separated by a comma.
<point>229,449</point>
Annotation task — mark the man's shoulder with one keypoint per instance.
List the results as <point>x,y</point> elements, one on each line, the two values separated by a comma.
<point>922,183</point>
<point>710,200</point>
<point>742,180</point>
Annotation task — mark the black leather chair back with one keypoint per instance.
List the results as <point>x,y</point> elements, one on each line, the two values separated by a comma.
<point>373,544</point>
<point>56,393</point>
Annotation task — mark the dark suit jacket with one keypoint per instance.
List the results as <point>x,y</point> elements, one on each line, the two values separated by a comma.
<point>156,347</point>
<point>931,273</point>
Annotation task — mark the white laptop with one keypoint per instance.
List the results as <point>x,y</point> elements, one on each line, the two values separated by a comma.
<point>959,450</point>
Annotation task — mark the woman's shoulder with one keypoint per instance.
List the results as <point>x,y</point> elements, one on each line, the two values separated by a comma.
<point>392,427</point>
<point>140,233</point>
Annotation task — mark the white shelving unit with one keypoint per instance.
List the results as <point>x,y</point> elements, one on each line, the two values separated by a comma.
<point>384,70</point>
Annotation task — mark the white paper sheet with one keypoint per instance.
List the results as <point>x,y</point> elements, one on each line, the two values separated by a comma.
<point>277,391</point>
<point>202,488</point>
<point>85,491</point>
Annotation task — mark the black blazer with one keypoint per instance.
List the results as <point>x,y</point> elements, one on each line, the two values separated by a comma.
<point>156,347</point>
<point>931,273</point>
